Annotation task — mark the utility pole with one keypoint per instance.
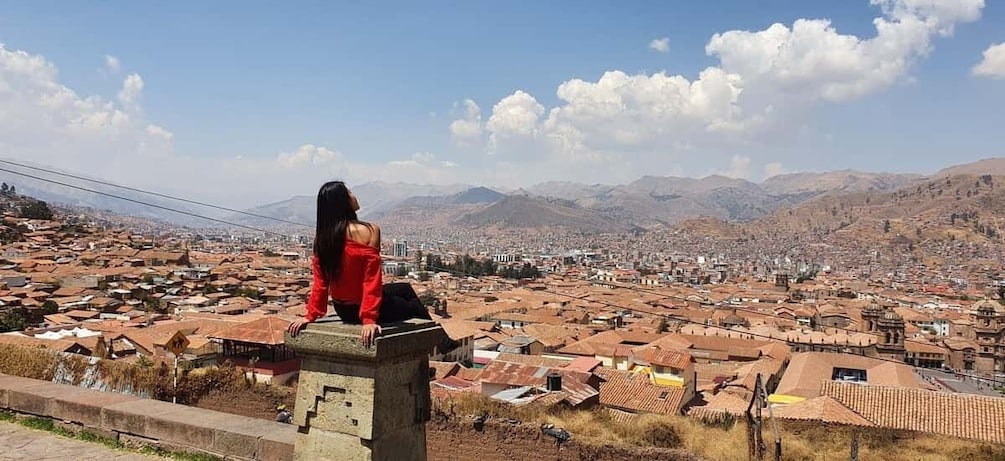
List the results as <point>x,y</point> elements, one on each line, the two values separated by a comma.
<point>854,446</point>
<point>174,393</point>
<point>755,441</point>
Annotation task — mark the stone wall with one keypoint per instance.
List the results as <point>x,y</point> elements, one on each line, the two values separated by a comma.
<point>136,421</point>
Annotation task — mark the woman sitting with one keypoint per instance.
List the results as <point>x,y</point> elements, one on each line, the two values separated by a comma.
<point>348,269</point>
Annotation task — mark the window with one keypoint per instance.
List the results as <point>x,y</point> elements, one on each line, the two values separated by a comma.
<point>663,395</point>
<point>849,374</point>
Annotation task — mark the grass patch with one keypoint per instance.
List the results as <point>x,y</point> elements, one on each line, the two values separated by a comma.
<point>183,456</point>
<point>91,437</point>
<point>41,424</point>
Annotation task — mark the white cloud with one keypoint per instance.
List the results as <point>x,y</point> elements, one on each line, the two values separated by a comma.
<point>774,169</point>
<point>310,155</point>
<point>158,132</point>
<point>44,121</point>
<point>993,63</point>
<point>515,117</point>
<point>763,80</point>
<point>739,168</point>
<point>113,64</point>
<point>417,159</point>
<point>661,45</point>
<point>132,89</point>
<point>467,130</point>
<point>423,157</point>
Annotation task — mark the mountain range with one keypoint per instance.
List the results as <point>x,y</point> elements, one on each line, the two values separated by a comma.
<point>646,202</point>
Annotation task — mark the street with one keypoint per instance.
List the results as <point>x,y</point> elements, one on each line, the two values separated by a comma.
<point>961,385</point>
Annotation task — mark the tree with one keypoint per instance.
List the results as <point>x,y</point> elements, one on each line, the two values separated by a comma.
<point>37,209</point>
<point>50,307</point>
<point>4,188</point>
<point>12,190</point>
<point>12,320</point>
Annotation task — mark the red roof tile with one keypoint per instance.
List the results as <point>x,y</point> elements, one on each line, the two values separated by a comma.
<point>634,392</point>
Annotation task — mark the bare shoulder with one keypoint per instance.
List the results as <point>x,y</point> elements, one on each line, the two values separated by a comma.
<point>366,233</point>
<point>374,235</point>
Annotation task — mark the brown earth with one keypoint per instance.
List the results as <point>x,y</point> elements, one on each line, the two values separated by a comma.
<point>260,402</point>
<point>458,440</point>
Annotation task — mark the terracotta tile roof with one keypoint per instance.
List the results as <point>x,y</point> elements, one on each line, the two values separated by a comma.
<point>917,346</point>
<point>60,319</point>
<point>518,374</point>
<point>666,358</point>
<point>455,384</point>
<point>621,416</point>
<point>440,370</point>
<point>635,393</point>
<point>470,374</point>
<point>724,402</point>
<point>746,375</point>
<point>588,345</point>
<point>459,329</point>
<point>823,409</point>
<point>267,330</point>
<point>80,314</point>
<point>535,360</point>
<point>583,364</point>
<point>807,370</point>
<point>956,415</point>
<point>60,345</point>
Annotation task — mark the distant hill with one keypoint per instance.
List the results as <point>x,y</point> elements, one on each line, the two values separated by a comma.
<point>375,198</point>
<point>946,208</point>
<point>648,201</point>
<point>566,190</point>
<point>523,212</point>
<point>477,195</point>
<point>301,209</point>
<point>992,166</point>
<point>844,181</point>
<point>62,195</point>
<point>470,196</point>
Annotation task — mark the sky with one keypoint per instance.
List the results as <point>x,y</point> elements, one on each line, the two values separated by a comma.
<point>248,102</point>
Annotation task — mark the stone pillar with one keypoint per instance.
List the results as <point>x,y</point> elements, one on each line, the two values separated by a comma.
<point>356,403</point>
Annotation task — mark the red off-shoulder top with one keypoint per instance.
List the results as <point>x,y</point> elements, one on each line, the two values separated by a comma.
<point>360,283</point>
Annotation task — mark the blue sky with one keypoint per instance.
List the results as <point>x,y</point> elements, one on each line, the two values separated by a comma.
<point>369,91</point>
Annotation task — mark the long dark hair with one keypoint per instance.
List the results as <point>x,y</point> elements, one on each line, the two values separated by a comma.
<point>335,213</point>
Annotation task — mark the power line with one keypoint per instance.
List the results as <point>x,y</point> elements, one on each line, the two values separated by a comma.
<point>140,202</point>
<point>155,194</point>
<point>222,221</point>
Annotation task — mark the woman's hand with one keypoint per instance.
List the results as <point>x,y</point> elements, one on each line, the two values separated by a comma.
<point>369,334</point>
<point>297,325</point>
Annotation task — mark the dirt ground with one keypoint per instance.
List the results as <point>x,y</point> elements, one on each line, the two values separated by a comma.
<point>457,439</point>
<point>260,402</point>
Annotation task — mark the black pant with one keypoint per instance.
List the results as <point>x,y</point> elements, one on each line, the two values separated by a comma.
<point>399,302</point>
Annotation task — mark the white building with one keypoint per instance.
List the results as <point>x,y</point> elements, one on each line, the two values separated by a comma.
<point>400,248</point>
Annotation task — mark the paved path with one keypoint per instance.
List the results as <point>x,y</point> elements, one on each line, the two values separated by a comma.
<point>20,443</point>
